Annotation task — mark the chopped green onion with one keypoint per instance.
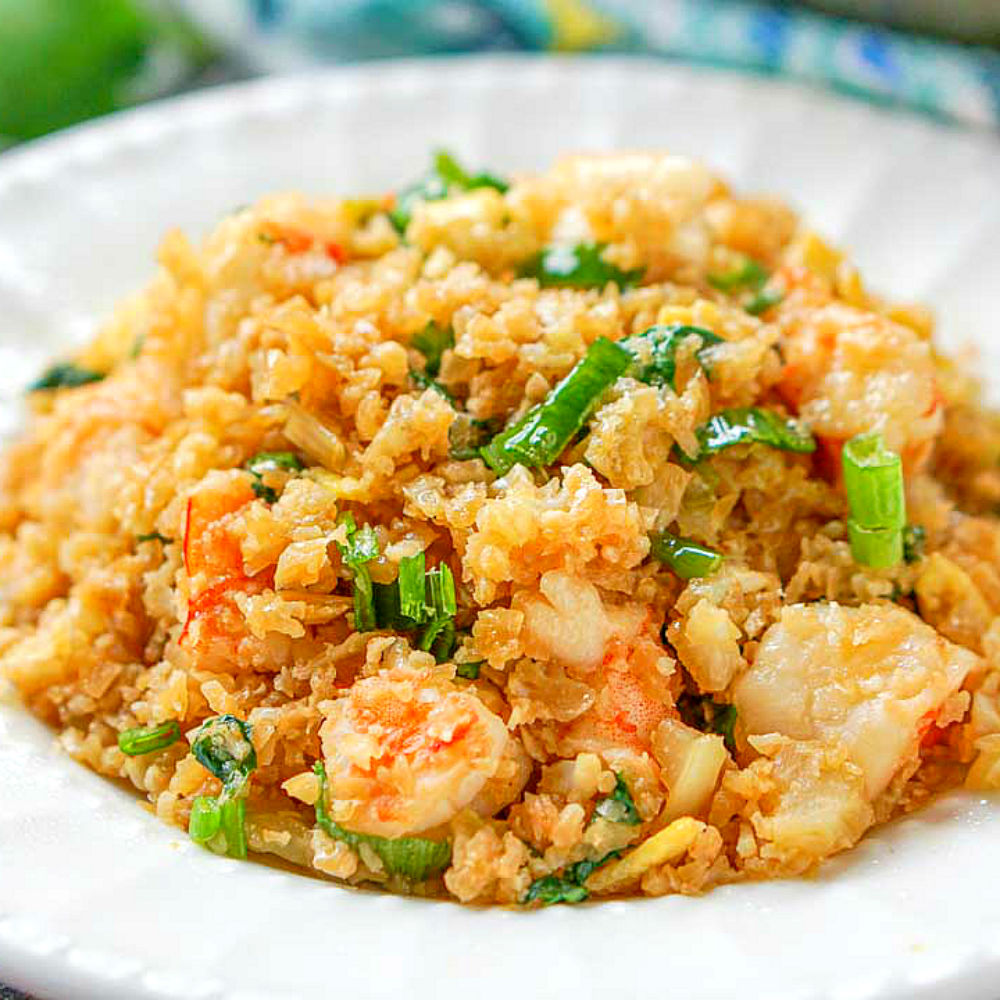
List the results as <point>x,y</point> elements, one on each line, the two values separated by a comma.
<point>466,436</point>
<point>423,381</point>
<point>432,342</point>
<point>143,740</point>
<point>413,858</point>
<point>749,274</point>
<point>64,376</point>
<point>441,599</point>
<point>873,481</point>
<point>543,432</point>
<point>914,540</point>
<point>470,670</point>
<point>154,536</point>
<point>233,827</point>
<point>655,351</point>
<point>439,638</point>
<point>683,557</point>
<point>703,713</point>
<point>568,887</point>
<point>879,548</point>
<point>361,548</point>
<point>274,461</point>
<point>752,425</point>
<point>453,175</point>
<point>445,177</point>
<point>618,807</point>
<point>580,266</point>
<point>205,819</point>
<point>271,461</point>
<point>765,299</point>
<point>224,749</point>
<point>412,586</point>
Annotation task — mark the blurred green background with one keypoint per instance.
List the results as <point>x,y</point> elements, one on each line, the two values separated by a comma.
<point>62,61</point>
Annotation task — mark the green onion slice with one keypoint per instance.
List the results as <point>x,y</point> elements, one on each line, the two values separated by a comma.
<point>568,887</point>
<point>470,670</point>
<point>873,481</point>
<point>655,351</point>
<point>143,740</point>
<point>703,713</point>
<point>224,749</point>
<point>580,266</point>
<point>432,342</point>
<point>64,376</point>
<point>543,432</point>
<point>618,807</point>
<point>413,858</point>
<point>445,178</point>
<point>205,819</point>
<point>683,557</point>
<point>271,461</point>
<point>765,299</point>
<point>749,274</point>
<point>361,548</point>
<point>752,425</point>
<point>467,435</point>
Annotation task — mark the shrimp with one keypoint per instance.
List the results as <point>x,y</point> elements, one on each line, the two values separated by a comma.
<point>614,649</point>
<point>214,625</point>
<point>865,680</point>
<point>407,750</point>
<point>849,371</point>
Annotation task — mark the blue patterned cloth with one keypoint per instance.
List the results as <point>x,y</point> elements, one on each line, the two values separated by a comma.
<point>945,79</point>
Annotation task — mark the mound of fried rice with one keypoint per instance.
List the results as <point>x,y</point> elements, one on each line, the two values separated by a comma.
<point>147,576</point>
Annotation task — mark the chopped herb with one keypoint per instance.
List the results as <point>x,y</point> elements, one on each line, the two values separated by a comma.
<point>412,586</point>
<point>423,381</point>
<point>413,858</point>
<point>467,435</point>
<point>432,342</point>
<point>266,238</point>
<point>271,461</point>
<point>137,346</point>
<point>439,638</point>
<point>155,536</point>
<point>749,274</point>
<point>143,740</point>
<point>580,266</point>
<point>543,432</point>
<point>873,481</point>
<point>706,715</point>
<point>64,376</point>
<point>224,749</point>
<point>685,558</point>
<point>914,541</point>
<point>445,178</point>
<point>655,351</point>
<point>469,671</point>
<point>455,176</point>
<point>361,548</point>
<point>765,299</point>
<point>568,887</point>
<point>750,424</point>
<point>618,807</point>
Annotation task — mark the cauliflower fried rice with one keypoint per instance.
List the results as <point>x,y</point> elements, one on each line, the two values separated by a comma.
<point>592,533</point>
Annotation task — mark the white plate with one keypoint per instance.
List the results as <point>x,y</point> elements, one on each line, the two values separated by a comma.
<point>98,900</point>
